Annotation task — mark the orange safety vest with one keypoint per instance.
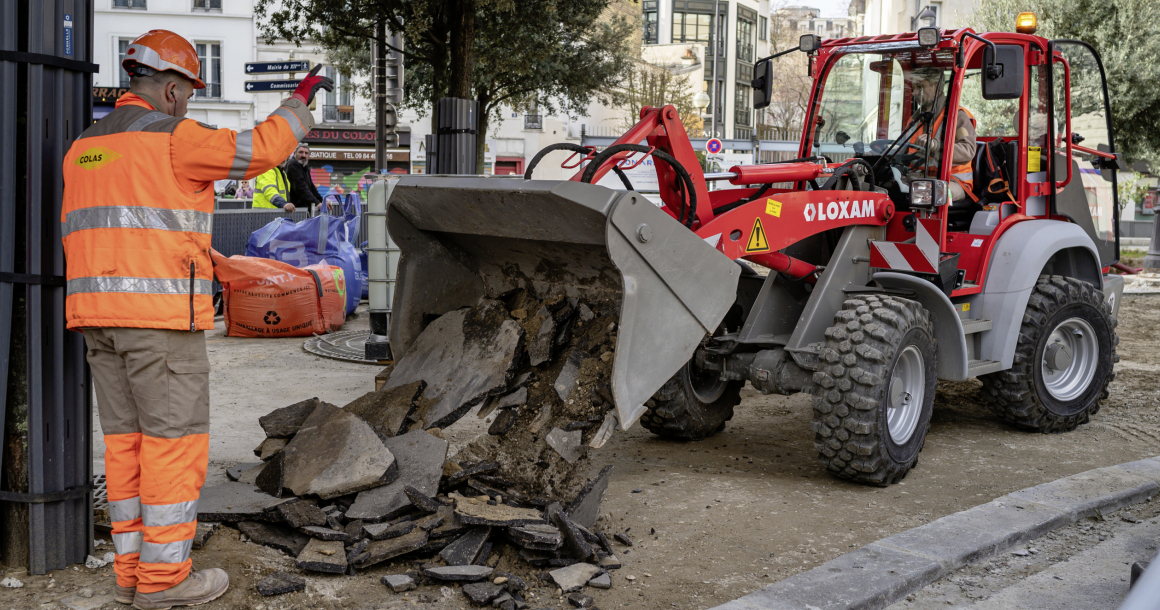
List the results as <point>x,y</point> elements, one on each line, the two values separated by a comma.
<point>137,212</point>
<point>963,174</point>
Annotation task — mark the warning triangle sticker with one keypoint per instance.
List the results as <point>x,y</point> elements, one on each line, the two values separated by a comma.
<point>757,240</point>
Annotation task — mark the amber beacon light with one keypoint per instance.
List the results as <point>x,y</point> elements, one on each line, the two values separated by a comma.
<point>1026,23</point>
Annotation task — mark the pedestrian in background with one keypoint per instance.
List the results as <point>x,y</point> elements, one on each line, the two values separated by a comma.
<point>302,189</point>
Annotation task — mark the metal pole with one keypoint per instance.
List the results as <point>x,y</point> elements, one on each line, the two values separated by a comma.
<point>713,47</point>
<point>380,95</point>
<point>1152,259</point>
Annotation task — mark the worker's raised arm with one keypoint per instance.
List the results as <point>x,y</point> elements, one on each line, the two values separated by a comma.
<point>203,154</point>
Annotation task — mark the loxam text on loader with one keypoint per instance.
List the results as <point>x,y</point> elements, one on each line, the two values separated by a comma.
<point>881,280</point>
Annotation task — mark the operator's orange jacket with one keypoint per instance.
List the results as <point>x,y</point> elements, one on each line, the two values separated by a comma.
<point>138,211</point>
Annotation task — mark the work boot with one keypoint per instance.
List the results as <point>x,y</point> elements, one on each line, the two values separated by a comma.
<point>199,587</point>
<point>123,595</point>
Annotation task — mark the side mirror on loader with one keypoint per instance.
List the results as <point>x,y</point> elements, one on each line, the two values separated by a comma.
<point>762,83</point>
<point>1002,72</point>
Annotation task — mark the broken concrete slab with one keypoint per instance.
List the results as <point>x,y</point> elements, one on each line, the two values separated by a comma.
<point>353,529</point>
<point>567,444</point>
<point>420,457</point>
<point>604,581</point>
<point>465,473</point>
<point>541,420</point>
<point>539,537</point>
<point>540,347</point>
<point>574,541</point>
<point>430,522</point>
<point>269,447</point>
<point>232,502</point>
<point>515,399</point>
<point>383,531</point>
<point>474,511</point>
<point>464,355</point>
<point>451,525</point>
<point>569,375</point>
<point>387,411</point>
<point>250,476</point>
<point>235,471</point>
<point>421,500</point>
<point>586,314</point>
<point>466,548</point>
<point>324,533</point>
<point>585,507</point>
<point>272,478</point>
<point>279,583</point>
<point>604,432</point>
<point>482,593</point>
<point>503,422</point>
<point>580,600</point>
<point>399,583</point>
<point>204,531</point>
<point>301,514</point>
<point>610,562</point>
<point>322,556</point>
<point>382,550</point>
<point>284,422</point>
<point>470,573</point>
<point>275,536</point>
<point>574,577</point>
<point>336,453</point>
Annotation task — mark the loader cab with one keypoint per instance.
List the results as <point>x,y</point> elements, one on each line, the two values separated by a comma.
<point>980,121</point>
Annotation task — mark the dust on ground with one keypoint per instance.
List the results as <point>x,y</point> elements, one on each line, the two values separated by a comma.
<point>745,508</point>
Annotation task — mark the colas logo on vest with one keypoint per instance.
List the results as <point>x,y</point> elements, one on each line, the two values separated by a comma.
<point>837,210</point>
<point>97,157</point>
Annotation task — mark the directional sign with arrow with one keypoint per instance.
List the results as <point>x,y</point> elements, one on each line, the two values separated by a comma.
<point>260,86</point>
<point>269,67</point>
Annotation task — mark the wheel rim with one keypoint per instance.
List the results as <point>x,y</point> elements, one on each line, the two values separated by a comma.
<point>707,385</point>
<point>1069,359</point>
<point>907,392</point>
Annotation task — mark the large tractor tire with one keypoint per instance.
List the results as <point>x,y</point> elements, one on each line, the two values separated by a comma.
<point>874,392</point>
<point>691,406</point>
<point>1063,359</point>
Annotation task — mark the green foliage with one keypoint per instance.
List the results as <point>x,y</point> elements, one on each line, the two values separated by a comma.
<point>1125,34</point>
<point>646,84</point>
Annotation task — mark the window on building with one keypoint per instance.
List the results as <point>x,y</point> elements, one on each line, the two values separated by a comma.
<point>122,47</point>
<point>691,27</point>
<point>207,5</point>
<point>745,42</point>
<point>651,32</point>
<point>210,56</point>
<point>341,96</point>
<point>129,4</point>
<point>762,28</point>
<point>741,109</point>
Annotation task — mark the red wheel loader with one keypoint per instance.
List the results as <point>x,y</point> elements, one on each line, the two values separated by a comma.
<point>952,213</point>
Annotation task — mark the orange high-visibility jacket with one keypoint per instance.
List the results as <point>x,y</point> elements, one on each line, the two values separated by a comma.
<point>963,173</point>
<point>138,211</point>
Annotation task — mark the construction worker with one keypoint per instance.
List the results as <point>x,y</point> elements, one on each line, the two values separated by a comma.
<point>928,89</point>
<point>137,217</point>
<point>273,190</point>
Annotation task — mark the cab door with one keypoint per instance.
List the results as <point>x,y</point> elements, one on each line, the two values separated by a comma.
<point>1086,190</point>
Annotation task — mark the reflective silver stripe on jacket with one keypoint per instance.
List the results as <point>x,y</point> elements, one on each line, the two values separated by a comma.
<point>965,176</point>
<point>137,217</point>
<point>244,153</point>
<point>124,510</point>
<point>291,118</point>
<point>169,552</point>
<point>158,515</point>
<point>129,542</point>
<point>138,285</point>
<point>148,120</point>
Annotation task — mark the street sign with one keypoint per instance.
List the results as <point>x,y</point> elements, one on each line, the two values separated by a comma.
<point>260,86</point>
<point>269,67</point>
<point>713,146</point>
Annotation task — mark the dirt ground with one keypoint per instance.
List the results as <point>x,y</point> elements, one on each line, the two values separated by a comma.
<point>712,520</point>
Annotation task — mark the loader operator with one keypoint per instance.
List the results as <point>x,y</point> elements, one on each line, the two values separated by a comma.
<point>928,86</point>
<point>137,216</point>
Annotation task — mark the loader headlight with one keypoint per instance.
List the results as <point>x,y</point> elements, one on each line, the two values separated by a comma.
<point>928,37</point>
<point>808,43</point>
<point>928,193</point>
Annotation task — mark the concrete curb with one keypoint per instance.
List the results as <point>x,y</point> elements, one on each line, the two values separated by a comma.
<point>885,571</point>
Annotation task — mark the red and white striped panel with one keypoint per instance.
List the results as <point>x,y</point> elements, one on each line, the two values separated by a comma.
<point>921,256</point>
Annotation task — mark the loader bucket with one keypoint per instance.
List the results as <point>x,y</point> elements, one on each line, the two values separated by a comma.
<point>466,238</point>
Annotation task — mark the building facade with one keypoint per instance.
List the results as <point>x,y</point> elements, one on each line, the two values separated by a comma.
<point>734,34</point>
<point>898,16</point>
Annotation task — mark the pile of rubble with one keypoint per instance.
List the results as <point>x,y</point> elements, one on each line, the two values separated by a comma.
<point>345,489</point>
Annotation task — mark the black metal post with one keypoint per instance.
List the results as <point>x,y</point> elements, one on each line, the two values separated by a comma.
<point>380,81</point>
<point>1152,259</point>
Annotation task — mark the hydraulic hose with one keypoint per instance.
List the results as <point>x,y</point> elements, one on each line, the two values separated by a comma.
<point>576,148</point>
<point>688,210</point>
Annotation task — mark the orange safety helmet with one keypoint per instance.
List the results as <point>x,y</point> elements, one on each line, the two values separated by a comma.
<point>163,50</point>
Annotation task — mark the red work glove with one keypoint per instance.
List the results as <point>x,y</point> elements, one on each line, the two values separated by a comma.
<point>310,85</point>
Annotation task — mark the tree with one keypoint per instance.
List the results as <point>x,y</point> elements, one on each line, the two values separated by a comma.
<point>648,84</point>
<point>553,54</point>
<point>1125,35</point>
<point>790,97</point>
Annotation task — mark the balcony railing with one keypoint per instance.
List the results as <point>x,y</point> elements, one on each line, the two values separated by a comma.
<point>533,121</point>
<point>338,114</point>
